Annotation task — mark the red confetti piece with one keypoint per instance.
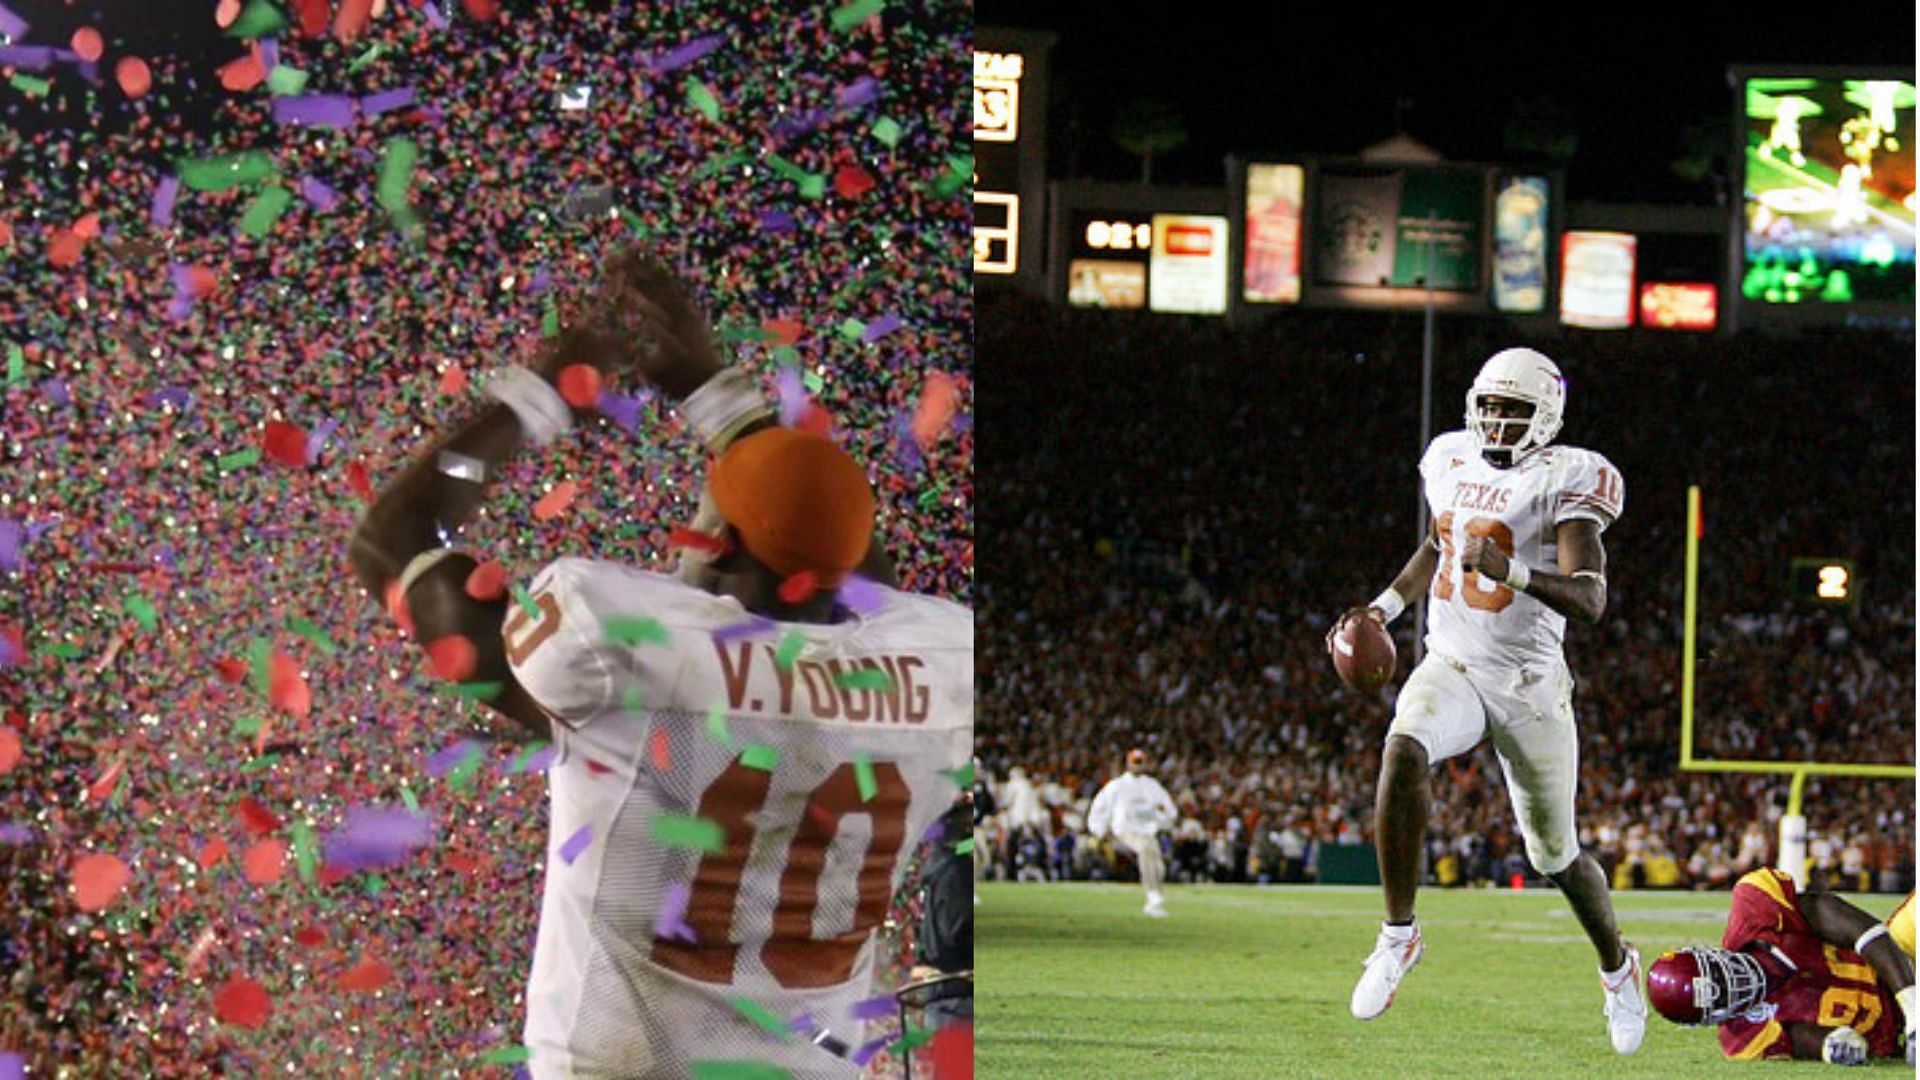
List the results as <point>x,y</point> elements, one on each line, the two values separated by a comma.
<point>580,384</point>
<point>366,975</point>
<point>243,74</point>
<point>225,13</point>
<point>852,181</point>
<point>816,421</point>
<point>103,788</point>
<point>88,227</point>
<point>661,761</point>
<point>798,587</point>
<point>202,281</point>
<point>359,481</point>
<point>555,502</point>
<point>351,19</point>
<point>329,874</point>
<point>716,546</point>
<point>953,1053</point>
<point>939,399</point>
<point>313,16</point>
<point>97,880</point>
<point>310,936</point>
<point>286,689</point>
<point>488,581</point>
<point>256,819</point>
<point>133,75</point>
<point>86,42</point>
<point>265,861</point>
<point>234,671</point>
<point>9,749</point>
<point>243,1003</point>
<point>285,443</point>
<point>453,657</point>
<point>397,606</point>
<point>483,10</point>
<point>63,249</point>
<point>453,380</point>
<point>212,852</point>
<point>596,768</point>
<point>6,234</point>
<point>784,331</point>
<point>462,863</point>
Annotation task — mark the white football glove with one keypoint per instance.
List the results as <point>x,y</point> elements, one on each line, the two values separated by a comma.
<point>1844,1046</point>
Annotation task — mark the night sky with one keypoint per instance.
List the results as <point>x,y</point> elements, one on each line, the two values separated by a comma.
<point>1284,78</point>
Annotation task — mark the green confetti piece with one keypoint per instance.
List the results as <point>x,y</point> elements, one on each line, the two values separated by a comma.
<point>312,633</point>
<point>525,601</point>
<point>813,186</point>
<point>790,645</point>
<point>852,15</point>
<point>30,85</point>
<point>284,81</point>
<point>258,19</point>
<point>744,331</point>
<point>364,58</point>
<point>550,322</point>
<point>375,885</point>
<point>680,830</point>
<point>813,381</point>
<point>759,757</point>
<point>520,760</point>
<point>458,776</point>
<point>852,329</point>
<point>865,678</point>
<point>788,169</point>
<point>760,1015</point>
<point>931,498</point>
<point>142,611</point>
<point>717,725</point>
<point>633,699</point>
<point>786,355</point>
<point>702,100</point>
<point>238,459</point>
<point>477,691</point>
<point>917,1037</point>
<point>863,778</point>
<point>260,763</point>
<point>959,172</point>
<point>247,726</point>
<point>738,1070</point>
<point>962,776</point>
<point>396,173</point>
<point>721,163</point>
<point>633,222</point>
<point>303,853</point>
<point>260,652</point>
<point>506,1055</point>
<point>964,847</point>
<point>887,130</point>
<point>65,650</point>
<point>264,210</point>
<point>634,630</point>
<point>16,364</point>
<point>225,172</point>
<point>407,796</point>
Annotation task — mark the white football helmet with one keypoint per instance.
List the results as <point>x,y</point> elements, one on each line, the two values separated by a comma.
<point>1522,375</point>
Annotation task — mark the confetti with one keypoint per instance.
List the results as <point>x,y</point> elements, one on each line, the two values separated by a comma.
<point>97,880</point>
<point>507,1055</point>
<point>679,830</point>
<point>764,758</point>
<point>243,1003</point>
<point>378,837</point>
<point>717,725</point>
<point>748,628</point>
<point>576,844</point>
<point>10,752</point>
<point>630,630</point>
<point>672,922</point>
<point>702,100</point>
<point>790,645</point>
<point>265,861</point>
<point>759,1014</point>
<point>863,778</point>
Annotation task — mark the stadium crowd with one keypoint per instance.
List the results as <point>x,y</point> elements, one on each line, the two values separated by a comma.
<point>205,380</point>
<point>1180,508</point>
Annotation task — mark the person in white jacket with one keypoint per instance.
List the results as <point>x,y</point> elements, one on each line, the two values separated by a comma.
<point>1135,808</point>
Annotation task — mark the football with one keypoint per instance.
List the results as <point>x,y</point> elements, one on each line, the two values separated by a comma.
<point>1363,654</point>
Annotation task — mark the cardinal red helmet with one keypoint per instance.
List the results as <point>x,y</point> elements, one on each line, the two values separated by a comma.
<point>1705,985</point>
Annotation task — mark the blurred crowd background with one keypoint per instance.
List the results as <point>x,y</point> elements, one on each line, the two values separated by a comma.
<point>237,293</point>
<point>1179,509</point>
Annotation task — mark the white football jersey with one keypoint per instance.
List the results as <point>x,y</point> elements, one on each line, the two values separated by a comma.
<point>1131,804</point>
<point>810,760</point>
<point>1471,617</point>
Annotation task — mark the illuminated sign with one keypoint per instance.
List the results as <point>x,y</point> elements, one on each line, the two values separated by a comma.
<point>1104,235</point>
<point>996,232</point>
<point>1382,227</point>
<point>1188,270</point>
<point>1274,197</point>
<point>1828,196</point>
<point>1669,305</point>
<point>1596,280</point>
<point>1520,244</point>
<point>1824,583</point>
<point>996,96</point>
<point>1106,283</point>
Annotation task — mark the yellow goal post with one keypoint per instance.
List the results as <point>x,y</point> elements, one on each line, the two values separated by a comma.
<point>1793,824</point>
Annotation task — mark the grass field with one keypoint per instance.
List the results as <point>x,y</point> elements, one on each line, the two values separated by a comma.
<point>1253,982</point>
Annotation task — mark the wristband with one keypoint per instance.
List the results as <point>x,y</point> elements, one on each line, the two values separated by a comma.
<point>722,407</point>
<point>1873,933</point>
<point>1518,575</point>
<point>543,413</point>
<point>420,564</point>
<point>1390,605</point>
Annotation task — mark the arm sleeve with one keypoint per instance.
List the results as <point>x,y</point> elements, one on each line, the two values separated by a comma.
<point>1100,811</point>
<point>1169,814</point>
<point>1764,907</point>
<point>562,657</point>
<point>1589,489</point>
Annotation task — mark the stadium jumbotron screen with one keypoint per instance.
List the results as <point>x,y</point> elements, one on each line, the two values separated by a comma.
<point>1828,201</point>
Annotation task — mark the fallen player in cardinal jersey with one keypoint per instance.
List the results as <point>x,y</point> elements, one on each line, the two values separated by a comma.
<point>743,762</point>
<point>1796,975</point>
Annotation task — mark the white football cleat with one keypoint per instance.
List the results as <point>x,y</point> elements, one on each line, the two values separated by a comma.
<point>1626,1007</point>
<point>1154,908</point>
<point>1389,962</point>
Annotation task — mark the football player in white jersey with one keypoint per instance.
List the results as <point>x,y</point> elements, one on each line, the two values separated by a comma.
<point>1135,807</point>
<point>1513,551</point>
<point>745,756</point>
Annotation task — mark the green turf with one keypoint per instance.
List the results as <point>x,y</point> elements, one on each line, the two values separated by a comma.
<point>1253,982</point>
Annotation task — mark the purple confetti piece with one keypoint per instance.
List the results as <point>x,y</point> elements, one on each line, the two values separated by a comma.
<point>15,833</point>
<point>317,439</point>
<point>801,123</point>
<point>38,529</point>
<point>866,1052</point>
<point>26,57</point>
<point>9,656</point>
<point>443,761</point>
<point>750,628</point>
<point>793,396</point>
<point>906,448</point>
<point>314,110</point>
<point>180,308</point>
<point>65,56</point>
<point>874,1008</point>
<point>386,101</point>
<point>775,221</point>
<point>10,541</point>
<point>802,1024</point>
<point>377,837</point>
<point>11,25</point>
<point>163,196</point>
<point>576,844</point>
<point>181,278</point>
<point>861,91</point>
<point>318,194</point>
<point>56,391</point>
<point>685,54</point>
<point>434,18</point>
<point>624,411</point>
<point>672,922</point>
<point>166,557</point>
<point>880,327</point>
<point>862,595</point>
<point>89,71</point>
<point>269,52</point>
<point>177,396</point>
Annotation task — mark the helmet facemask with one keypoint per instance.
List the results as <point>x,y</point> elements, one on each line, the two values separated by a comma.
<point>1525,377</point>
<point>1725,984</point>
